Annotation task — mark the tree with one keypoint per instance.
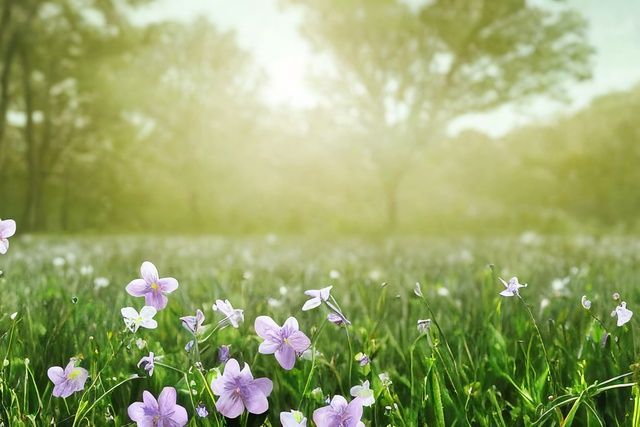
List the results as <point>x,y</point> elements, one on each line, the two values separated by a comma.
<point>403,74</point>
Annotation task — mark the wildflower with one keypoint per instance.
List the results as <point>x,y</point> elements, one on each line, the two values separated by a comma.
<point>586,304</point>
<point>161,412</point>
<point>193,323</point>
<point>339,413</point>
<point>68,380</point>
<point>135,320</point>
<point>336,319</point>
<point>334,274</point>
<point>615,296</point>
<point>239,390</point>
<point>424,325</point>
<point>309,353</point>
<point>385,379</point>
<point>100,282</point>
<point>223,353</point>
<point>147,363</point>
<point>283,290</point>
<point>151,287</point>
<point>287,342</point>
<point>272,302</point>
<point>86,270</point>
<point>362,359</point>
<point>13,315</point>
<point>7,229</point>
<point>189,346</point>
<point>316,393</point>
<point>140,343</point>
<point>59,262</point>
<point>512,287</point>
<point>201,410</point>
<point>317,297</point>
<point>443,292</point>
<point>559,285</point>
<point>232,316</point>
<point>293,419</point>
<point>544,303</point>
<point>624,314</point>
<point>363,392</point>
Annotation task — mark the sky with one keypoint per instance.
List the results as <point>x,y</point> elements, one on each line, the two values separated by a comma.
<point>271,34</point>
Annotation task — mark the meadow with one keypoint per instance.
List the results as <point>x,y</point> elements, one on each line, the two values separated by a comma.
<point>544,356</point>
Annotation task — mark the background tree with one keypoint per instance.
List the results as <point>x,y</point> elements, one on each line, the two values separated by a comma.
<point>403,74</point>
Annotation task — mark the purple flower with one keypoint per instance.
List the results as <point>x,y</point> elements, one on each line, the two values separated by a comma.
<point>318,296</point>
<point>512,288</point>
<point>68,380</point>
<point>337,319</point>
<point>287,342</point>
<point>223,353</point>
<point>339,413</point>
<point>151,287</point>
<point>623,313</point>
<point>7,229</point>
<point>233,316</point>
<point>362,359</point>
<point>238,390</point>
<point>162,412</point>
<point>148,363</point>
<point>201,410</point>
<point>193,323</point>
<point>293,419</point>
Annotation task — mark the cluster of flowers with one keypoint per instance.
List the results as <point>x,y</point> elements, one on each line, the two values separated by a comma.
<point>237,390</point>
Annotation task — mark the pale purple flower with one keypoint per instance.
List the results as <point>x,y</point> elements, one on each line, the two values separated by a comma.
<point>362,359</point>
<point>339,413</point>
<point>223,353</point>
<point>164,412</point>
<point>512,288</point>
<point>624,314</point>
<point>7,229</point>
<point>202,411</point>
<point>193,323</point>
<point>239,390</point>
<point>134,320</point>
<point>318,296</point>
<point>363,392</point>
<point>148,363</point>
<point>586,303</point>
<point>153,288</point>
<point>233,316</point>
<point>336,319</point>
<point>68,380</point>
<point>293,419</point>
<point>286,341</point>
<point>189,346</point>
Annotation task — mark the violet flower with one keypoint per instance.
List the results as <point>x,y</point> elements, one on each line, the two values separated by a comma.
<point>233,316</point>
<point>148,363</point>
<point>7,229</point>
<point>286,341</point>
<point>223,353</point>
<point>511,288</point>
<point>623,313</point>
<point>68,380</point>
<point>239,390</point>
<point>193,324</point>
<point>293,419</point>
<point>153,288</point>
<point>339,413</point>
<point>162,412</point>
<point>318,296</point>
<point>202,411</point>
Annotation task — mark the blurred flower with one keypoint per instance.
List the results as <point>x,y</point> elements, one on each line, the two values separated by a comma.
<point>13,315</point>
<point>247,275</point>
<point>232,316</point>
<point>100,282</point>
<point>317,297</point>
<point>362,359</point>
<point>223,353</point>
<point>363,392</point>
<point>339,413</point>
<point>239,390</point>
<point>424,325</point>
<point>161,412</point>
<point>68,380</point>
<point>86,270</point>
<point>189,346</point>
<point>287,342</point>
<point>135,320</point>
<point>544,303</point>
<point>147,363</point>
<point>559,285</point>
<point>7,229</point>
<point>59,262</point>
<point>309,353</point>
<point>375,275</point>
<point>624,315</point>
<point>586,304</point>
<point>334,274</point>
<point>293,419</point>
<point>316,393</point>
<point>193,323</point>
<point>274,303</point>
<point>283,290</point>
<point>151,287</point>
<point>201,410</point>
<point>417,290</point>
<point>512,288</point>
<point>615,296</point>
<point>443,292</point>
<point>385,379</point>
<point>140,343</point>
<point>336,319</point>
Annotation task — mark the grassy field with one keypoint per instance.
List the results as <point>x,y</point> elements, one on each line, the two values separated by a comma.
<point>483,360</point>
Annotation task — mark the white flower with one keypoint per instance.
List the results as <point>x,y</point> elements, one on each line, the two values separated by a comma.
<point>135,320</point>
<point>512,287</point>
<point>317,297</point>
<point>59,262</point>
<point>308,354</point>
<point>232,316</point>
<point>100,282</point>
<point>140,343</point>
<point>283,290</point>
<point>334,274</point>
<point>385,379</point>
<point>624,315</point>
<point>293,419</point>
<point>86,270</point>
<point>363,392</point>
<point>443,292</point>
<point>586,304</point>
<point>274,302</point>
<point>424,325</point>
<point>417,290</point>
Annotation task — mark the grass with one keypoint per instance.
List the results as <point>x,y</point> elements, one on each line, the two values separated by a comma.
<point>486,360</point>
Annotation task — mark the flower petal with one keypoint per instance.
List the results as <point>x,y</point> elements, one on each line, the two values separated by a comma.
<point>56,374</point>
<point>7,228</point>
<point>156,299</point>
<point>268,347</point>
<point>168,284</point>
<point>4,246</point>
<point>136,411</point>
<point>230,405</point>
<point>286,357</point>
<point>299,341</point>
<point>147,312</point>
<point>137,288</point>
<point>326,417</point>
<point>265,326</point>
<point>179,416</point>
<point>129,312</point>
<point>255,401</point>
<point>264,384</point>
<point>291,323</point>
<point>310,304</point>
<point>231,368</point>
<point>149,272</point>
<point>167,400</point>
